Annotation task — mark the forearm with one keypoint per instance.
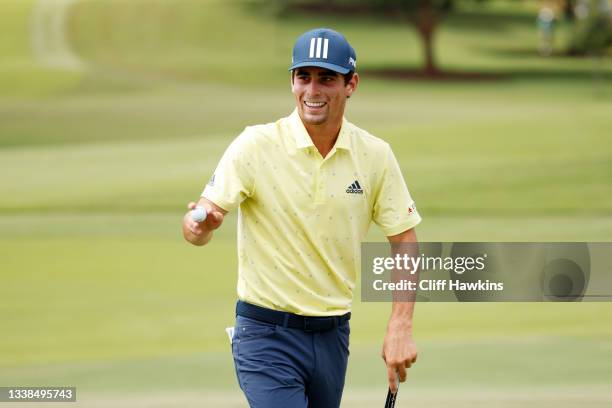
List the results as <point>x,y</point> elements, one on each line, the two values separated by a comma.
<point>401,314</point>
<point>403,301</point>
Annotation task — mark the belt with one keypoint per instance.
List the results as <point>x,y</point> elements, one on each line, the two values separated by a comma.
<point>286,319</point>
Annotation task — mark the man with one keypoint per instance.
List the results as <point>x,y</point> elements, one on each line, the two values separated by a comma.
<point>307,188</point>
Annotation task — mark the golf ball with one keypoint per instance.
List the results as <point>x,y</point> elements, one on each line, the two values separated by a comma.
<point>198,214</point>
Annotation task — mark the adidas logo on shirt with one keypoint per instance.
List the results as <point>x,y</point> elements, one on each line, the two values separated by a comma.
<point>354,188</point>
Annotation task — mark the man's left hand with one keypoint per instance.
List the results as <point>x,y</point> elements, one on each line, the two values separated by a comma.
<point>399,351</point>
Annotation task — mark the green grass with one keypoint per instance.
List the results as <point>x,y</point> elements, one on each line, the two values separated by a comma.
<point>20,75</point>
<point>96,166</point>
<point>511,160</point>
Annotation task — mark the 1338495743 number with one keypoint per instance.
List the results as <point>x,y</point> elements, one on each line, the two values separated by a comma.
<point>15,394</point>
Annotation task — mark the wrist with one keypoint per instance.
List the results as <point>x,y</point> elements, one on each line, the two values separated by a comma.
<point>400,323</point>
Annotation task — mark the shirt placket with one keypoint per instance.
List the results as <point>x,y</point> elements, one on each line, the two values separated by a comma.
<point>321,171</point>
<point>320,182</point>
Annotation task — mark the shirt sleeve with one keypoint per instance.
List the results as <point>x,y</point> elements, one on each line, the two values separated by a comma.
<point>394,208</point>
<point>234,178</point>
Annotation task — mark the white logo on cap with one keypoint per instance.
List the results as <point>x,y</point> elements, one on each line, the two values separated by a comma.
<point>315,47</point>
<point>352,62</point>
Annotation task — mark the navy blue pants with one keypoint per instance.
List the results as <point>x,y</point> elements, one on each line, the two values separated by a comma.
<point>284,367</point>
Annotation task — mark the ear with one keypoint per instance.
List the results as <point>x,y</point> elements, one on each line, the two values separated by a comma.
<point>352,85</point>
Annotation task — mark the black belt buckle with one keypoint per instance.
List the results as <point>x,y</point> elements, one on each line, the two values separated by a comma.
<point>308,325</point>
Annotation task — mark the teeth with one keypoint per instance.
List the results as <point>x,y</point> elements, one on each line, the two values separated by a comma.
<point>314,104</point>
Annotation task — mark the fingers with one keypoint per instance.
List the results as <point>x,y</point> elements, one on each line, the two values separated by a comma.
<point>191,224</point>
<point>396,372</point>
<point>214,219</point>
<point>392,378</point>
<point>399,356</point>
<point>408,363</point>
<point>194,227</point>
<point>401,370</point>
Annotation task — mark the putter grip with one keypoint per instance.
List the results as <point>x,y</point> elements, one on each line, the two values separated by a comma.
<point>390,402</point>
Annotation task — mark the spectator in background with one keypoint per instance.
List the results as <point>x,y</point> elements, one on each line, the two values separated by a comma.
<point>546,29</point>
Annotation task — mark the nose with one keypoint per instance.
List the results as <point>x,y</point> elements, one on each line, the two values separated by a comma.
<point>313,88</point>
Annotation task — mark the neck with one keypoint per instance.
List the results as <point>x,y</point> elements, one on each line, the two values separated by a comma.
<point>323,136</point>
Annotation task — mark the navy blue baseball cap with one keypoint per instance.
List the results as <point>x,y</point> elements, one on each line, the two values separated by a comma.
<point>326,48</point>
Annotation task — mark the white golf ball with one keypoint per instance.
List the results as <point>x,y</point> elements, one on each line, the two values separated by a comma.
<point>198,214</point>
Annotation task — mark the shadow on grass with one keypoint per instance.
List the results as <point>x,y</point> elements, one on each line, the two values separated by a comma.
<point>413,74</point>
<point>518,52</point>
<point>488,21</point>
<point>558,55</point>
<point>540,75</point>
<point>565,75</point>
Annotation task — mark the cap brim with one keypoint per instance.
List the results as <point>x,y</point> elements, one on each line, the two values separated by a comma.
<point>321,64</point>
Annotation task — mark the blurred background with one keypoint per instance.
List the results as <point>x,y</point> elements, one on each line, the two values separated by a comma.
<point>114,113</point>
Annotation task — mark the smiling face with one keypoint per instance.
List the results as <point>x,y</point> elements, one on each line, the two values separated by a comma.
<point>320,95</point>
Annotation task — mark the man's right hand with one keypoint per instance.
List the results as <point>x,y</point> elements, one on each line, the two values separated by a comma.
<point>200,233</point>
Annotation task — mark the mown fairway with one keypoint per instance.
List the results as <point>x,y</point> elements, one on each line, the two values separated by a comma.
<point>97,163</point>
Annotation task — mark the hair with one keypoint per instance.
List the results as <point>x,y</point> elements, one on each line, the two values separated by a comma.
<point>348,76</point>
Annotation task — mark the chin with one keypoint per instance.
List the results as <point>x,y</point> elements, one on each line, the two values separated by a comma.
<point>314,119</point>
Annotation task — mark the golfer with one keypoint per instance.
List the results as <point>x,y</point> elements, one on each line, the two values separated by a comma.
<point>307,188</point>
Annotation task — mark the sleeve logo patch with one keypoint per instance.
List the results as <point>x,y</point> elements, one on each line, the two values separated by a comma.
<point>211,182</point>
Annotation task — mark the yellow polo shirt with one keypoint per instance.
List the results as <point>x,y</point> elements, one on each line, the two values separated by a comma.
<point>302,217</point>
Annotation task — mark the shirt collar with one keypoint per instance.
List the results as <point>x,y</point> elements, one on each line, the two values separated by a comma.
<point>303,140</point>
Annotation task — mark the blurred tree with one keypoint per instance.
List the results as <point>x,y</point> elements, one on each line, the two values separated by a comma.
<point>592,33</point>
<point>568,10</point>
<point>424,15</point>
